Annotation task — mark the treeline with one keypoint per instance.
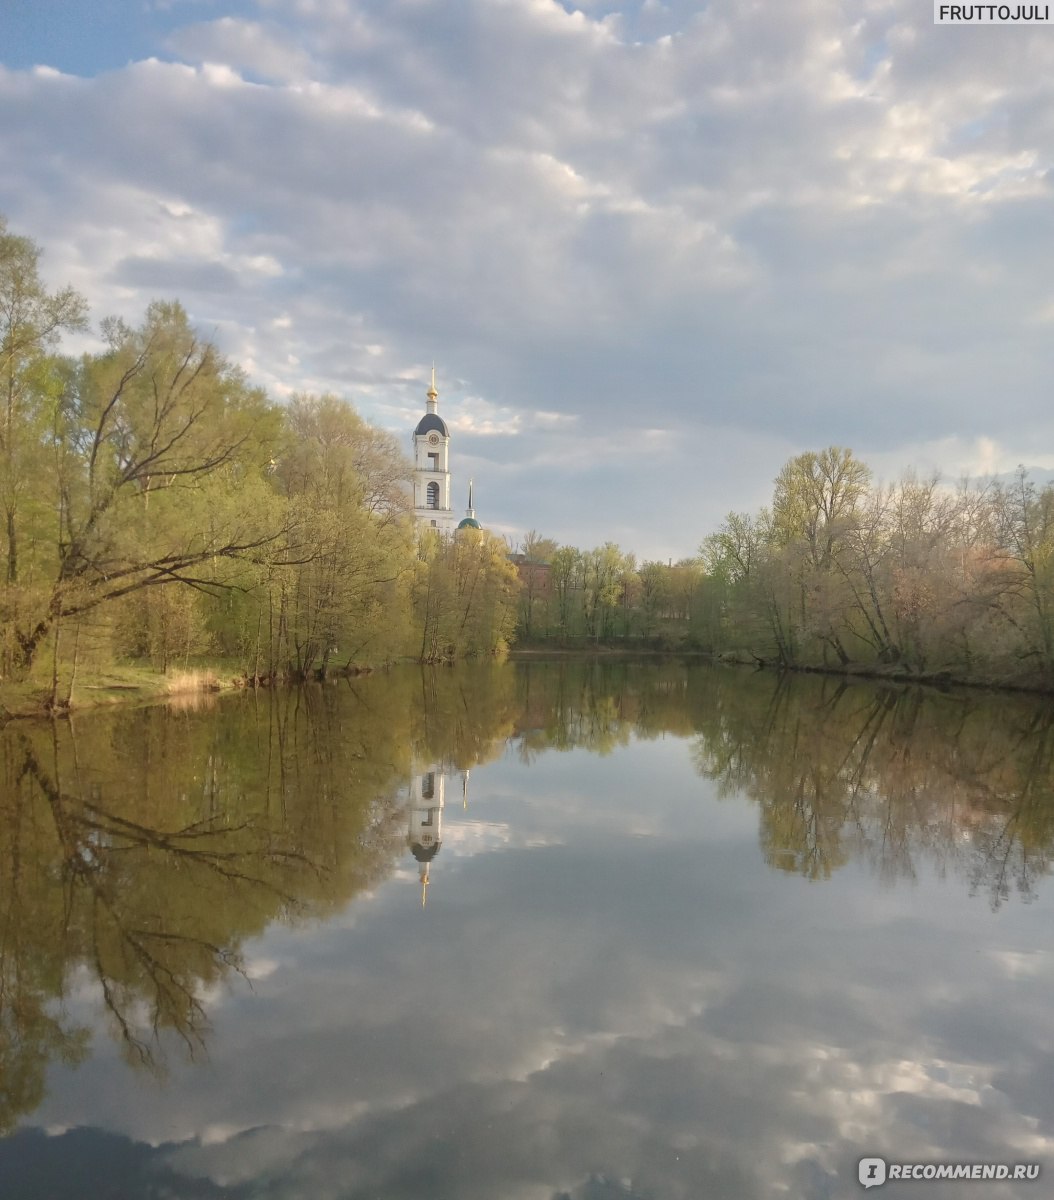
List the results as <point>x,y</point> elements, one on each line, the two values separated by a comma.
<point>913,578</point>
<point>602,595</point>
<point>156,506</point>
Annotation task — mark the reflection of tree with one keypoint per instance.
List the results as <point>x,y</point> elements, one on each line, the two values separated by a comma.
<point>839,769</point>
<point>30,976</point>
<point>888,775</point>
<point>139,851</point>
<point>145,951</point>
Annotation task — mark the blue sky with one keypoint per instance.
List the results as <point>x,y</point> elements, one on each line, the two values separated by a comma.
<point>655,249</point>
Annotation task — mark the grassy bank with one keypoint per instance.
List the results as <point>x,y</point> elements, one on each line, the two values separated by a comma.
<point>118,684</point>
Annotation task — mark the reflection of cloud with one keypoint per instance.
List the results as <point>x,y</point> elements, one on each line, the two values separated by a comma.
<point>260,968</point>
<point>610,1009</point>
<point>612,1015</point>
<point>465,836</point>
<point>676,1109</point>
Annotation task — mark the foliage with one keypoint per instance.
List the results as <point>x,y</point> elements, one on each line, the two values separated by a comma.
<point>464,596</point>
<point>158,507</point>
<point>912,577</point>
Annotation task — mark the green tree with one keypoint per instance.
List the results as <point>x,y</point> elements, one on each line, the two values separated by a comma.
<point>466,595</point>
<point>165,446</point>
<point>31,320</point>
<point>346,483</point>
<point>536,553</point>
<point>566,575</point>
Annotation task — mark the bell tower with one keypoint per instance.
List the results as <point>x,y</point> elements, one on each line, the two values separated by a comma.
<point>432,468</point>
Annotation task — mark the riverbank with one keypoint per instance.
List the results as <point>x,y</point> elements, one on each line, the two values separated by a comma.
<point>132,683</point>
<point>601,652</point>
<point>1034,684</point>
<point>119,684</point>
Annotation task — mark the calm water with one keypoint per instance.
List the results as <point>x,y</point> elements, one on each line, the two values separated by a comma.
<point>687,933</point>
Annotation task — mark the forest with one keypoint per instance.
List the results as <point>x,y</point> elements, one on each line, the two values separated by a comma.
<point>916,579</point>
<point>158,509</point>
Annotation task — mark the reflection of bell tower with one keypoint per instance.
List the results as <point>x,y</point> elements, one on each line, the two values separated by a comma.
<point>425,831</point>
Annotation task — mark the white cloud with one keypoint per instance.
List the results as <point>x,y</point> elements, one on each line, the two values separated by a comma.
<point>807,225</point>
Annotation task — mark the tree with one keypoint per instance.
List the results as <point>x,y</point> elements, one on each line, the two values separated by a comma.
<point>814,508</point>
<point>566,577</point>
<point>1024,527</point>
<point>815,501</point>
<point>604,570</point>
<point>31,319</point>
<point>536,554</point>
<point>466,595</point>
<point>655,594</point>
<point>165,445</point>
<point>346,483</point>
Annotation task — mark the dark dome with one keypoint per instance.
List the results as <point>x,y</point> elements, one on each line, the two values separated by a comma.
<point>430,422</point>
<point>424,853</point>
<point>469,523</point>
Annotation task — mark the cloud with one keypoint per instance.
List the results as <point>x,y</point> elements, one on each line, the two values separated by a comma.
<point>797,227</point>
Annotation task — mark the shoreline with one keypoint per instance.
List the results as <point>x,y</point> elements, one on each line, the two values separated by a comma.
<point>132,685</point>
<point>873,673</point>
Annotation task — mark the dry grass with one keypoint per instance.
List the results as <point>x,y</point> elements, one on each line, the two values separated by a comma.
<point>181,683</point>
<point>117,683</point>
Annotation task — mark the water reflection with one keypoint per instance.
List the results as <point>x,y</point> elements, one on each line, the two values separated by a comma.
<point>611,992</point>
<point>424,834</point>
<point>839,771</point>
<point>140,850</point>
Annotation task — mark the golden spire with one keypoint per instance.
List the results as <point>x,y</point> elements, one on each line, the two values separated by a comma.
<point>432,393</point>
<point>424,884</point>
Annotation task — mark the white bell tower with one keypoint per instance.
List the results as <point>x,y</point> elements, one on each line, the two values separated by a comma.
<point>432,468</point>
<point>425,829</point>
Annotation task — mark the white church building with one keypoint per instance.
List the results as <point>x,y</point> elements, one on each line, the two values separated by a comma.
<point>432,501</point>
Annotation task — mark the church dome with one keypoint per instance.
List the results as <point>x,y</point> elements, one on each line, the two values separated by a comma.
<point>469,523</point>
<point>424,854</point>
<point>432,422</point>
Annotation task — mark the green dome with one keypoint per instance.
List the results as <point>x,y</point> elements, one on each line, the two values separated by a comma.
<point>469,523</point>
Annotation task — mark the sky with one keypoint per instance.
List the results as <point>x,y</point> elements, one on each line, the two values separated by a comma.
<point>654,249</point>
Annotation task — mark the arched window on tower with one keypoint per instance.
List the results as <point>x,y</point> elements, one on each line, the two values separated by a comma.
<point>433,495</point>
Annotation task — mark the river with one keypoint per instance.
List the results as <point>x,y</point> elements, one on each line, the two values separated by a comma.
<point>547,930</point>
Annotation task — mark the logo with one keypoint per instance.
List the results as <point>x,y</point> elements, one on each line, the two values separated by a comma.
<point>872,1172</point>
<point>991,14</point>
